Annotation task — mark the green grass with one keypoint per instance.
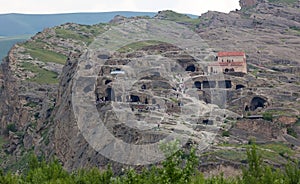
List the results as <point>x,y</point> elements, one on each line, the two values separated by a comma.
<point>2,141</point>
<point>173,16</point>
<point>35,49</point>
<point>90,31</point>
<point>68,34</point>
<point>138,45</point>
<point>298,122</point>
<point>42,76</point>
<point>283,112</point>
<point>270,151</point>
<point>292,132</point>
<point>31,104</point>
<point>296,29</point>
<point>278,148</point>
<point>233,155</point>
<point>21,164</point>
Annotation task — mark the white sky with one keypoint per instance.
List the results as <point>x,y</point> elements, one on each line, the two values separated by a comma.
<point>196,7</point>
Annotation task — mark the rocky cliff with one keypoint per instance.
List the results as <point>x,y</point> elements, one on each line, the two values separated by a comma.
<point>39,78</point>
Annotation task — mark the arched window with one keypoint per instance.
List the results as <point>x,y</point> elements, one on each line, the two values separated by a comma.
<point>110,94</point>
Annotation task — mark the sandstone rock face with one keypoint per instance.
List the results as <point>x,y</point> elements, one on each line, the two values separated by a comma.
<point>42,107</point>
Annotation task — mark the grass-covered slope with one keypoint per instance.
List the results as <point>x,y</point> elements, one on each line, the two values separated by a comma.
<point>51,48</point>
<point>180,168</point>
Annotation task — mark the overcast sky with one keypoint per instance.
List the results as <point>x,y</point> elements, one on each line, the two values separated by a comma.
<point>196,7</point>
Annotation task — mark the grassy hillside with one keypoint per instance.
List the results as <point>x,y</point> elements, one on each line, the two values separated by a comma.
<point>20,24</point>
<point>17,25</point>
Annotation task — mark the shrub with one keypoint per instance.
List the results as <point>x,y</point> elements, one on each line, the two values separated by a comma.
<point>292,132</point>
<point>178,168</point>
<point>225,134</point>
<point>10,128</point>
<point>268,116</point>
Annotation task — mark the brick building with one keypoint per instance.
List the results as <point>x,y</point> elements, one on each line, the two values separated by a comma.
<point>229,62</point>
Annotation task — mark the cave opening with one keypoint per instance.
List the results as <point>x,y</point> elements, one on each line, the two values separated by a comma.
<point>228,84</point>
<point>197,84</point>
<point>134,98</point>
<point>108,81</point>
<point>208,122</point>
<point>110,94</point>
<point>257,102</point>
<point>239,86</point>
<point>190,68</point>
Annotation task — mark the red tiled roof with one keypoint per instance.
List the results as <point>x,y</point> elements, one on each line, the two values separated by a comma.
<point>224,54</point>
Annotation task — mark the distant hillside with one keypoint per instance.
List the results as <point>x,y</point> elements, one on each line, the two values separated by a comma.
<point>7,42</point>
<point>18,25</point>
<point>21,24</point>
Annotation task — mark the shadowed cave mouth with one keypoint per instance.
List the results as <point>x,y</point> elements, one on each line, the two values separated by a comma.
<point>239,86</point>
<point>110,94</point>
<point>197,84</point>
<point>134,98</point>
<point>257,102</point>
<point>190,68</point>
<point>108,81</point>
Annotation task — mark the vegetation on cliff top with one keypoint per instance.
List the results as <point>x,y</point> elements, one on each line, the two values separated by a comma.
<point>180,168</point>
<point>177,17</point>
<point>42,76</point>
<point>37,51</point>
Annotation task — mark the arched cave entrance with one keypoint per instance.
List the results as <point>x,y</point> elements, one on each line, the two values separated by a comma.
<point>190,68</point>
<point>107,82</point>
<point>239,86</point>
<point>257,102</point>
<point>226,70</point>
<point>134,98</point>
<point>197,84</point>
<point>110,94</point>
